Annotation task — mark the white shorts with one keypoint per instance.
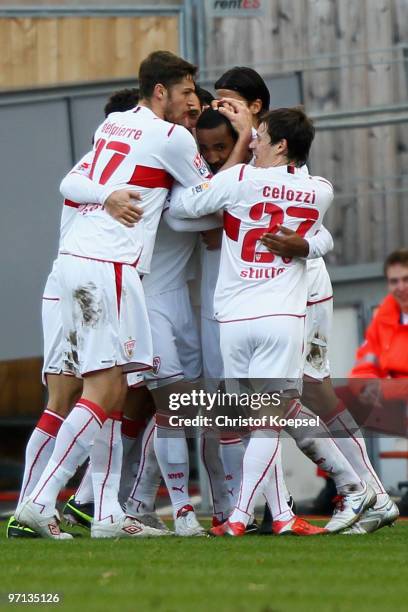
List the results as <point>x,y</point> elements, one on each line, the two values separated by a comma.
<point>104,316</point>
<point>52,326</point>
<point>211,351</point>
<point>319,319</point>
<point>176,340</point>
<point>268,348</point>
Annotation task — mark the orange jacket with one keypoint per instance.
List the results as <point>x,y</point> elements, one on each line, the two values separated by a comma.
<point>384,354</point>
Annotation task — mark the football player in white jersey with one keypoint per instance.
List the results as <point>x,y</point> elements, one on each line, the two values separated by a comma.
<point>104,314</point>
<point>261,306</point>
<point>62,390</point>
<point>216,138</point>
<point>345,460</point>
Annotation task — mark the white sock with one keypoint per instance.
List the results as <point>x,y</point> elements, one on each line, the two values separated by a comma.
<point>143,495</point>
<point>72,447</point>
<point>317,443</point>
<point>232,454</point>
<point>259,460</point>
<point>39,450</point>
<point>350,440</point>
<point>106,465</point>
<point>210,456</point>
<point>84,493</point>
<point>276,492</point>
<point>132,435</point>
<point>172,455</point>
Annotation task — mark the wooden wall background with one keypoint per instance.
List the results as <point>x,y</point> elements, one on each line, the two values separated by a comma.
<point>50,51</point>
<point>370,215</point>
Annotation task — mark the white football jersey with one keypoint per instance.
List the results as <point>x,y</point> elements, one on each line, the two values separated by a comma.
<point>133,149</point>
<point>69,207</point>
<point>210,266</point>
<point>171,254</point>
<point>319,286</point>
<point>253,282</point>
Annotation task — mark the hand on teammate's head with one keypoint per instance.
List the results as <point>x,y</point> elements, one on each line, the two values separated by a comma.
<point>238,113</point>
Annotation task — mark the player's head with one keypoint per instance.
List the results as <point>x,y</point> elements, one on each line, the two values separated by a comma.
<point>204,96</point>
<point>284,136</point>
<point>167,82</point>
<point>122,100</point>
<point>396,271</point>
<point>245,84</point>
<point>193,112</point>
<point>216,138</point>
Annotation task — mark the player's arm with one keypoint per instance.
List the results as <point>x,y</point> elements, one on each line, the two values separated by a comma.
<point>240,117</point>
<point>203,224</point>
<point>287,243</point>
<point>120,204</point>
<point>204,199</point>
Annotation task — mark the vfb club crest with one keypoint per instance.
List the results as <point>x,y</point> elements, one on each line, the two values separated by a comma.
<point>130,347</point>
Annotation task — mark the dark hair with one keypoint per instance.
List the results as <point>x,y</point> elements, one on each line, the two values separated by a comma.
<point>293,125</point>
<point>204,96</point>
<point>211,119</point>
<point>122,100</point>
<point>396,257</point>
<point>248,83</point>
<point>165,68</point>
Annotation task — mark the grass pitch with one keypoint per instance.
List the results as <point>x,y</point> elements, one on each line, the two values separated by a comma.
<point>254,573</point>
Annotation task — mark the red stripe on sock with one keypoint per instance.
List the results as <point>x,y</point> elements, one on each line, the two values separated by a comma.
<point>61,461</point>
<point>99,414</point>
<point>36,458</point>
<point>131,428</point>
<point>262,477</point>
<point>50,423</point>
<point>107,471</point>
<point>142,464</point>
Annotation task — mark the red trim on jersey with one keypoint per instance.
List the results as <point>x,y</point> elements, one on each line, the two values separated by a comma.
<point>231,225</point>
<point>71,203</point>
<point>116,415</point>
<point>137,109</point>
<point>322,180</point>
<point>280,314</point>
<point>291,169</point>
<point>118,282</point>
<point>241,173</point>
<point>319,301</point>
<point>169,133</point>
<point>122,263</point>
<point>96,411</point>
<point>145,176</point>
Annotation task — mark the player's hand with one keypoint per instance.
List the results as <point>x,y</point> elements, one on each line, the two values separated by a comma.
<point>121,205</point>
<point>286,244</point>
<point>239,115</point>
<point>371,394</point>
<point>212,238</point>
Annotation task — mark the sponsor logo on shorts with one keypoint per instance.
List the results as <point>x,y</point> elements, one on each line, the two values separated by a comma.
<point>130,347</point>
<point>156,365</point>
